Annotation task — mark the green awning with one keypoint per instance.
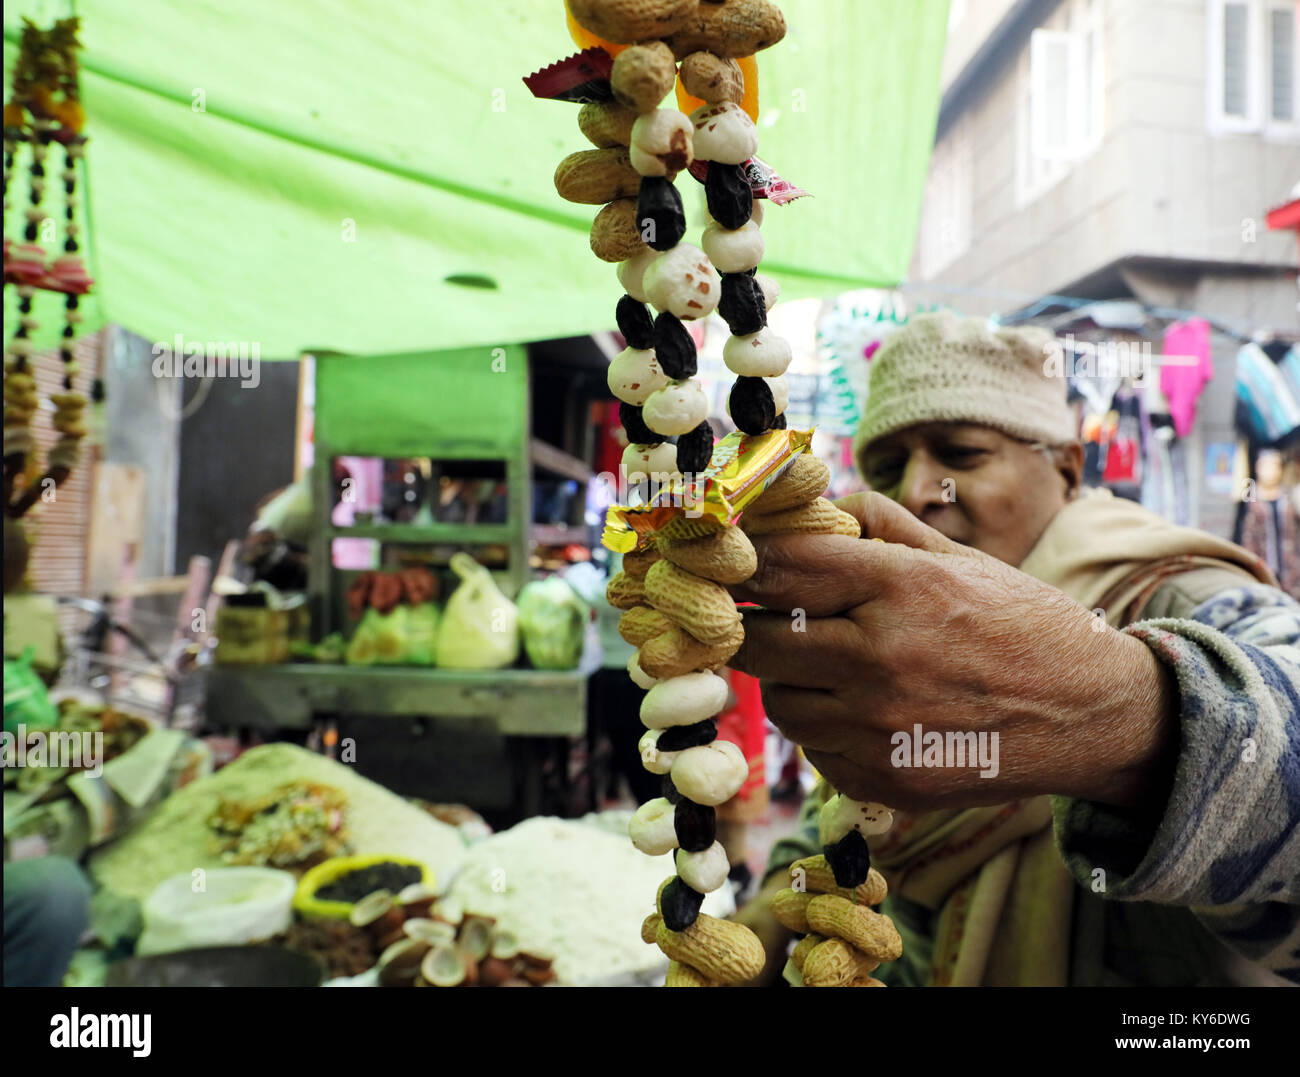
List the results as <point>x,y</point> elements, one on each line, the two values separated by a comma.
<point>309,173</point>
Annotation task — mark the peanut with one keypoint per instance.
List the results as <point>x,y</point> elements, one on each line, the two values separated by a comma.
<point>607,124</point>
<point>722,950</point>
<point>735,28</point>
<point>873,934</point>
<point>650,927</point>
<point>819,517</point>
<point>594,177</point>
<point>643,75</point>
<point>615,236</point>
<point>802,482</point>
<point>803,948</point>
<point>637,563</point>
<point>790,907</point>
<point>818,877</point>
<point>834,963</point>
<point>623,592</point>
<point>725,557</point>
<point>623,21</point>
<point>680,975</point>
<point>641,623</point>
<point>675,652</point>
<point>712,79</point>
<point>702,607</point>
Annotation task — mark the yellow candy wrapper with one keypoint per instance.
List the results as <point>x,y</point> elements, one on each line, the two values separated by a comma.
<point>741,468</point>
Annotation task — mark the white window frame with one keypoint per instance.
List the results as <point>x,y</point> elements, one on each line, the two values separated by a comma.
<point>1259,75</point>
<point>1037,173</point>
<point>1280,129</point>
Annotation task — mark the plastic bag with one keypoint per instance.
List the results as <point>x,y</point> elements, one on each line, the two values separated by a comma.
<point>422,634</point>
<point>218,907</point>
<point>554,623</point>
<point>480,626</point>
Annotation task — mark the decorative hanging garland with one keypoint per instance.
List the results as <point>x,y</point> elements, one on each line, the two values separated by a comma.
<point>44,108</point>
<point>679,613</point>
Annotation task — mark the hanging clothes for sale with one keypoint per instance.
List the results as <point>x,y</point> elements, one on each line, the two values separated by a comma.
<point>1123,468</point>
<point>1183,379</point>
<point>1268,394</point>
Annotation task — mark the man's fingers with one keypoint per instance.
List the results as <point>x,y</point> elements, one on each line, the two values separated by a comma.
<point>819,574</point>
<point>808,716</point>
<point>845,775</point>
<point>885,519</point>
<point>799,651</point>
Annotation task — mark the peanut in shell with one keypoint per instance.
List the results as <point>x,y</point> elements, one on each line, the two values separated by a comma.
<point>677,652</point>
<point>703,608</point>
<point>802,483</point>
<point>615,235</point>
<point>594,177</point>
<point>724,557</point>
<point>819,517</point>
<point>607,124</point>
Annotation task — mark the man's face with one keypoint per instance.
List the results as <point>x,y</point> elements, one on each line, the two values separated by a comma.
<point>972,484</point>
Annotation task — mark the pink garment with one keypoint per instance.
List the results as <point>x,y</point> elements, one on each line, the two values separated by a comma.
<point>1182,383</point>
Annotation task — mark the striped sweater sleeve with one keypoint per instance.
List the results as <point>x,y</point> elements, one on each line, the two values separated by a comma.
<point>1226,839</point>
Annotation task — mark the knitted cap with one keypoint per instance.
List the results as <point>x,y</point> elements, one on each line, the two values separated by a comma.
<point>944,368</point>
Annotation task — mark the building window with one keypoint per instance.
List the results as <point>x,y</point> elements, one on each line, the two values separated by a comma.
<point>1062,93</point>
<point>1282,65</point>
<point>946,209</point>
<point>1253,85</point>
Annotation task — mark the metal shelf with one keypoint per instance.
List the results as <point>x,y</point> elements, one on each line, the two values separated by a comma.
<point>517,702</point>
<point>428,534</point>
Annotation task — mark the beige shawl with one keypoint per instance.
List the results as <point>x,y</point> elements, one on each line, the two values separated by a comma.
<point>992,875</point>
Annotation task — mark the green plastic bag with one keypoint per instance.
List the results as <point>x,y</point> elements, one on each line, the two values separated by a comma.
<point>554,622</point>
<point>27,702</point>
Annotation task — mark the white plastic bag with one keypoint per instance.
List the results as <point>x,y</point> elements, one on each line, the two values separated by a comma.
<point>217,907</point>
<point>480,626</point>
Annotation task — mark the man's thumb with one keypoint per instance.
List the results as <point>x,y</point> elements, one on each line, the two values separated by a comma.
<point>884,519</point>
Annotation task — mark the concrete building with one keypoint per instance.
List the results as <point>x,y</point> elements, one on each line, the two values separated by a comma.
<point>1120,150</point>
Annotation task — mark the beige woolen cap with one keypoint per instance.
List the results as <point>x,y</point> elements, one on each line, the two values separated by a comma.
<point>945,368</point>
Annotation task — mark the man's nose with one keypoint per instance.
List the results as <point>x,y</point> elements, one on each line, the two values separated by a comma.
<point>922,484</point>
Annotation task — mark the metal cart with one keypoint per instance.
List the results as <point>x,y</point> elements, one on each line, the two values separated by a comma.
<point>497,740</point>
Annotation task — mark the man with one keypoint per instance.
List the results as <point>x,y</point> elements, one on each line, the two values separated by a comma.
<point>1142,680</point>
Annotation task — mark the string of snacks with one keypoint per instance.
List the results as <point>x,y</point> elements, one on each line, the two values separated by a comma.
<point>44,108</point>
<point>678,612</point>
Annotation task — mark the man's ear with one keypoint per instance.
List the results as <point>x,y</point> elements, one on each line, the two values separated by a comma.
<point>1069,462</point>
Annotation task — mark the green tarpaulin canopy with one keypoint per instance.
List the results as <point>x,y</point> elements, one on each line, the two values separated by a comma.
<point>310,173</point>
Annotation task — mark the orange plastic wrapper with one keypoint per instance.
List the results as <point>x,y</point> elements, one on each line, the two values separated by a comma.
<point>742,467</point>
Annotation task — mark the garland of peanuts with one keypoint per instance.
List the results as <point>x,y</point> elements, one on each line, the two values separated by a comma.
<point>678,611</point>
<point>685,625</point>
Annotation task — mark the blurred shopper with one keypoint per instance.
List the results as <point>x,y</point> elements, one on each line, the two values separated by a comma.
<point>1144,681</point>
<point>46,910</point>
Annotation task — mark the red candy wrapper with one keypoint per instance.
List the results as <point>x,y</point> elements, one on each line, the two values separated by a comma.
<point>763,180</point>
<point>580,78</point>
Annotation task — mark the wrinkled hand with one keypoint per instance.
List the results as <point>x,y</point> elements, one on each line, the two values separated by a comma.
<point>859,641</point>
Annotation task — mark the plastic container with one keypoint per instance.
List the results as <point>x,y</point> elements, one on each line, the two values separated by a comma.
<point>306,902</point>
<point>235,906</point>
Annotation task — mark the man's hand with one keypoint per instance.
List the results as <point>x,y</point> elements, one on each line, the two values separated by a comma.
<point>861,640</point>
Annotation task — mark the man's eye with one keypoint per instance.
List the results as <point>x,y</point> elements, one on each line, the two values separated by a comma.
<point>961,454</point>
<point>883,476</point>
